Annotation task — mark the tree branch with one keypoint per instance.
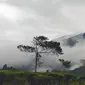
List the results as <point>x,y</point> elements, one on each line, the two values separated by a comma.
<point>46,52</point>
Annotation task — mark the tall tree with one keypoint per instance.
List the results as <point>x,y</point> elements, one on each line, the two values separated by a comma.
<point>40,45</point>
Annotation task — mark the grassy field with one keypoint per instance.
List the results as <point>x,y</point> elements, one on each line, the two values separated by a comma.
<point>8,77</point>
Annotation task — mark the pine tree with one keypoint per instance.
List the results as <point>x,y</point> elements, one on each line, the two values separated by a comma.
<point>41,44</point>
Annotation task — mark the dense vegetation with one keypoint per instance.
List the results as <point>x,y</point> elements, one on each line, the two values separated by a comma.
<point>8,77</point>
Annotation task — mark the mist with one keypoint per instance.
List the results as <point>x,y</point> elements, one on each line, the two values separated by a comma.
<point>21,20</point>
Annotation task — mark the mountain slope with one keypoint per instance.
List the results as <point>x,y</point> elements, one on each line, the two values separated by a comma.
<point>68,39</point>
<point>73,47</point>
<point>79,71</point>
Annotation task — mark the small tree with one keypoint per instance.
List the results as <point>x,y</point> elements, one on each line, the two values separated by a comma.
<point>5,67</point>
<point>65,63</point>
<point>41,44</point>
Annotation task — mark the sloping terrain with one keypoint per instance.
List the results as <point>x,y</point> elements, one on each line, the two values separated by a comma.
<point>73,48</point>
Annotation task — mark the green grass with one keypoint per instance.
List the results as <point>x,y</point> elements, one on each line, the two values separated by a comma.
<point>23,77</point>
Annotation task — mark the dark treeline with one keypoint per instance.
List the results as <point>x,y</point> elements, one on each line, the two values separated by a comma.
<point>6,67</point>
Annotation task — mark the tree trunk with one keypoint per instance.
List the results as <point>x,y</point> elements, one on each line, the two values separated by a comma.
<point>36,61</point>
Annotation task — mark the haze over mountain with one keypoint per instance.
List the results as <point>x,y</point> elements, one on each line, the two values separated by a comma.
<point>21,20</point>
<point>73,49</point>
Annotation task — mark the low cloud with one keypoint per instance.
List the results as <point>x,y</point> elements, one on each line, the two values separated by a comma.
<point>21,20</point>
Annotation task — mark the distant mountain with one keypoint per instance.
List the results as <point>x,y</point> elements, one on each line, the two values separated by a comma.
<point>71,40</point>
<point>79,71</point>
<point>73,48</point>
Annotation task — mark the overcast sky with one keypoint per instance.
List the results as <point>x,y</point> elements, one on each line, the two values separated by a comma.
<point>20,20</point>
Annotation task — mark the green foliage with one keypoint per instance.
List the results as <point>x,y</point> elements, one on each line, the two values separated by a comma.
<point>45,78</point>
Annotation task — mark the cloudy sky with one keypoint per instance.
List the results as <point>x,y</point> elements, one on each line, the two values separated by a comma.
<point>20,20</point>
